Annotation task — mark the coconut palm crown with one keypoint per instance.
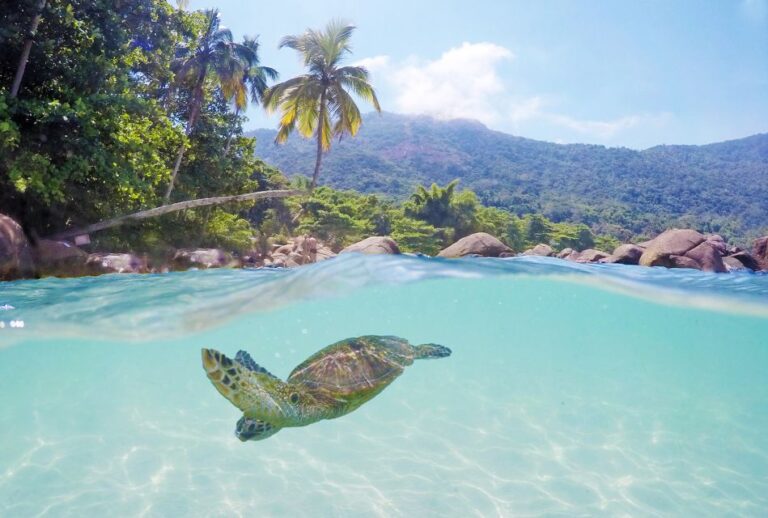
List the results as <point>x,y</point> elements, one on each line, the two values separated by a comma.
<point>319,102</point>
<point>216,55</point>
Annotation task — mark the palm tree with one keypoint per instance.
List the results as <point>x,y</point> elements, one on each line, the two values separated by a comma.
<point>255,78</point>
<point>318,103</point>
<point>216,55</point>
<point>27,49</point>
<point>434,205</point>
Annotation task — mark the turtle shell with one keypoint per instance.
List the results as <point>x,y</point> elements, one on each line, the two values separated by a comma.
<point>355,366</point>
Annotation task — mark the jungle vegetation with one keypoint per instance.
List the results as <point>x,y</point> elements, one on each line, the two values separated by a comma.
<point>109,107</point>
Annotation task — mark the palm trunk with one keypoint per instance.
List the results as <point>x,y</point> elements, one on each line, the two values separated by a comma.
<point>231,135</point>
<point>319,159</point>
<point>26,50</point>
<point>197,100</point>
<point>174,207</point>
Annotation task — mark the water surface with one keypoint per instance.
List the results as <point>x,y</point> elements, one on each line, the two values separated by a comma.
<point>572,390</point>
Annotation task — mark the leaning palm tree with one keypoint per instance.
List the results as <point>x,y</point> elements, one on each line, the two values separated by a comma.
<point>255,79</point>
<point>216,55</point>
<point>318,103</point>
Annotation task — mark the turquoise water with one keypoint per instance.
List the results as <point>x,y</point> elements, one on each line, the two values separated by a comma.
<point>573,390</point>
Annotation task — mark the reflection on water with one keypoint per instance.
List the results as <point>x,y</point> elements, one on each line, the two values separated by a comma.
<point>630,391</point>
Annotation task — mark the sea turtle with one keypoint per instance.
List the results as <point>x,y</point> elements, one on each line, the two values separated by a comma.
<point>331,383</point>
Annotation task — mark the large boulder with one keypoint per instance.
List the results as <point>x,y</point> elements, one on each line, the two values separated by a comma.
<point>708,256</point>
<point>98,264</point>
<point>744,258</point>
<point>374,245</point>
<point>15,256</point>
<point>541,249</point>
<point>59,259</point>
<point>672,242</point>
<point>681,261</point>
<point>718,243</point>
<point>565,252</point>
<point>201,258</point>
<point>480,243</point>
<point>760,252</point>
<point>591,255</point>
<point>625,254</point>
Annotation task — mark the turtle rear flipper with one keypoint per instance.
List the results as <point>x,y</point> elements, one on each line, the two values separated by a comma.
<point>426,351</point>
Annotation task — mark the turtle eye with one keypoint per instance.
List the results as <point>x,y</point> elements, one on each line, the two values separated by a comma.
<point>294,398</point>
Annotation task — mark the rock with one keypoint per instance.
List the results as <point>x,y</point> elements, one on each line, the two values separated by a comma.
<point>672,242</point>
<point>708,256</point>
<point>591,255</point>
<point>541,249</point>
<point>98,264</point>
<point>718,243</point>
<point>573,256</point>
<point>201,258</point>
<point>625,254</point>
<point>732,264</point>
<point>565,252</point>
<point>681,261</point>
<point>480,243</point>
<point>15,255</point>
<point>374,245</point>
<point>504,255</point>
<point>745,258</point>
<point>283,249</point>
<point>59,259</point>
<point>760,252</point>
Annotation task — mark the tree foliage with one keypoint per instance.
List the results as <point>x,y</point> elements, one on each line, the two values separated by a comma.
<point>319,104</point>
<point>102,111</point>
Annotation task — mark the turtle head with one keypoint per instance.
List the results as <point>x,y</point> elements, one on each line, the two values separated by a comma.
<point>249,429</point>
<point>249,387</point>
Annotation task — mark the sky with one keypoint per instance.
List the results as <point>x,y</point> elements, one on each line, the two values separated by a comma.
<point>617,73</point>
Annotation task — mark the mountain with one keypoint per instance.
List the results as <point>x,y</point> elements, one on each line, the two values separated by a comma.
<point>719,187</point>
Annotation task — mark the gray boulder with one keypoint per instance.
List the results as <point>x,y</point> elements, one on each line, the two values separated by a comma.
<point>744,258</point>
<point>565,252</point>
<point>480,243</point>
<point>541,249</point>
<point>201,258</point>
<point>760,252</point>
<point>59,259</point>
<point>97,264</point>
<point>374,245</point>
<point>680,261</point>
<point>708,256</point>
<point>591,255</point>
<point>672,242</point>
<point>15,255</point>
<point>625,254</point>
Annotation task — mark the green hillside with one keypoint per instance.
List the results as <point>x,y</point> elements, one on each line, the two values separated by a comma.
<point>719,187</point>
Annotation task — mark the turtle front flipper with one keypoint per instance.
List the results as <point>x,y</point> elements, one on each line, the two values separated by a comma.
<point>248,429</point>
<point>426,351</point>
<point>257,393</point>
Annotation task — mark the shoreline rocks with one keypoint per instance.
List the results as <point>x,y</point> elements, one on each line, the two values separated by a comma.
<point>15,253</point>
<point>478,244</point>
<point>674,248</point>
<point>374,245</point>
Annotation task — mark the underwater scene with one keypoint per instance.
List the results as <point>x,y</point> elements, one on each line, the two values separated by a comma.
<point>570,390</point>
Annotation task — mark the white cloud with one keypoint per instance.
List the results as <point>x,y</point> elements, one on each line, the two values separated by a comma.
<point>462,83</point>
<point>610,128</point>
<point>373,64</point>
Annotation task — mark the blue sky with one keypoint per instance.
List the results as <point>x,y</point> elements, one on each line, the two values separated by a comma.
<point>618,73</point>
